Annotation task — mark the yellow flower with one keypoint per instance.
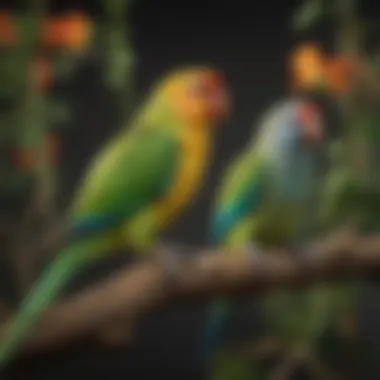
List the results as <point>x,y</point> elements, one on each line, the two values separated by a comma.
<point>307,66</point>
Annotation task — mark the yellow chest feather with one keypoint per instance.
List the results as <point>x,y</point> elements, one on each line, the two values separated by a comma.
<point>195,155</point>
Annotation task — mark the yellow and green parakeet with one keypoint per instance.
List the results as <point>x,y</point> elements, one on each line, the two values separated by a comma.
<point>136,185</point>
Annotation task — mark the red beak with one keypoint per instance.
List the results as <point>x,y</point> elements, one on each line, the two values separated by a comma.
<point>312,128</point>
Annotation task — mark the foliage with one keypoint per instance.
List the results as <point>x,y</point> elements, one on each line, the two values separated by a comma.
<point>309,14</point>
<point>120,58</point>
<point>40,51</point>
<point>230,365</point>
<point>350,192</point>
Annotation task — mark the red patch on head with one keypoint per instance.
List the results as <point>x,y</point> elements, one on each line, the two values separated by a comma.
<point>308,113</point>
<point>311,124</point>
<point>214,79</point>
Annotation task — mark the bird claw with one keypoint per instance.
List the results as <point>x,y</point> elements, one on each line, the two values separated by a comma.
<point>255,255</point>
<point>306,256</point>
<point>171,257</point>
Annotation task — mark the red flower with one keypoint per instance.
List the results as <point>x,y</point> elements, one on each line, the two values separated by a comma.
<point>71,30</point>
<point>338,72</point>
<point>41,73</point>
<point>26,158</point>
<point>8,33</point>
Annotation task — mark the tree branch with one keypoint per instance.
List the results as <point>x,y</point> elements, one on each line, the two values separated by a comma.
<point>134,292</point>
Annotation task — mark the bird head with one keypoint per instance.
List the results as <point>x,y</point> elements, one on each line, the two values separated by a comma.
<point>197,94</point>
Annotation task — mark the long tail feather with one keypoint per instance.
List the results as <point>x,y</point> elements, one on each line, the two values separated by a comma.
<point>47,288</point>
<point>218,316</point>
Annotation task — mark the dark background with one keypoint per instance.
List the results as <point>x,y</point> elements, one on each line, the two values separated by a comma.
<point>249,40</point>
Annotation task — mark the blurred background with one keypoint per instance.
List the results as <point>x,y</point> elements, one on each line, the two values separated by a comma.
<point>87,89</point>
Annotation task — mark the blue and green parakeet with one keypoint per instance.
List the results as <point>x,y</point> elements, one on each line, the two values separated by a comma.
<point>265,197</point>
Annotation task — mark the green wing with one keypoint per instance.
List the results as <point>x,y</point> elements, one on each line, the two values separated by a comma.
<point>135,169</point>
<point>241,193</point>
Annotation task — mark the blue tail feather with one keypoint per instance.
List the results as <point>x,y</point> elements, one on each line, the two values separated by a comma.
<point>218,316</point>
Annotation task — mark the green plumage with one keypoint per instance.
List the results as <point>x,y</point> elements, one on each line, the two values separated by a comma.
<point>133,172</point>
<point>268,197</point>
<point>132,189</point>
<point>266,192</point>
<point>110,209</point>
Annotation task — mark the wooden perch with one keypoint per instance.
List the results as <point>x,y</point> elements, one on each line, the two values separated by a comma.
<point>134,292</point>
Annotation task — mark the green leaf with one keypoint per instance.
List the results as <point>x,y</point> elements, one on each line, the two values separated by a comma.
<point>230,366</point>
<point>116,8</point>
<point>19,181</point>
<point>308,15</point>
<point>59,113</point>
<point>118,69</point>
<point>120,59</point>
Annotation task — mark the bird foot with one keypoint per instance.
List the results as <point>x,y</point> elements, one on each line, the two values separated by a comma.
<point>172,258</point>
<point>256,255</point>
<point>306,255</point>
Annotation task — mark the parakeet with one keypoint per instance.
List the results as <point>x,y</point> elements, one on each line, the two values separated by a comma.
<point>137,185</point>
<point>264,196</point>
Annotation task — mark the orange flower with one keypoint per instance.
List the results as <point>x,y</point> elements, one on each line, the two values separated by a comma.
<point>41,73</point>
<point>71,31</point>
<point>7,29</point>
<point>306,66</point>
<point>339,70</point>
<point>26,158</point>
<point>51,33</point>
